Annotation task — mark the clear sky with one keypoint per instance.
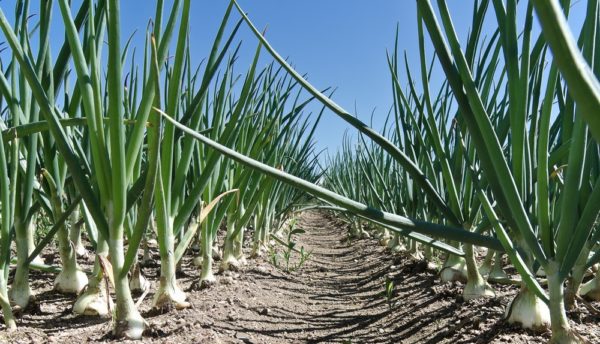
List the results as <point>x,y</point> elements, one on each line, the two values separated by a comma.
<point>337,43</point>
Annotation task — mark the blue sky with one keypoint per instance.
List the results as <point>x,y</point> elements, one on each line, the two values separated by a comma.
<point>337,43</point>
<point>341,44</point>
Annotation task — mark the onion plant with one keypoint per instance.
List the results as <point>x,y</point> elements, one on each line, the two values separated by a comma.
<point>5,240</point>
<point>553,241</point>
<point>101,153</point>
<point>26,148</point>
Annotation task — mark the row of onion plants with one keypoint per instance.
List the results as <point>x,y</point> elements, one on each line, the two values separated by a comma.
<point>85,150</point>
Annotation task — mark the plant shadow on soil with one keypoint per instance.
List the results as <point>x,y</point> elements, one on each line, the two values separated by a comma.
<point>337,296</point>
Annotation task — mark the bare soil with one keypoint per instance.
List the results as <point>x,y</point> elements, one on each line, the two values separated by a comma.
<point>337,296</point>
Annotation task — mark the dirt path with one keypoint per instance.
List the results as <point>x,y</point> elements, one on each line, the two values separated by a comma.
<point>337,296</point>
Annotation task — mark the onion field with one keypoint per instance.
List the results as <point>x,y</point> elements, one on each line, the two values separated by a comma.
<point>147,193</point>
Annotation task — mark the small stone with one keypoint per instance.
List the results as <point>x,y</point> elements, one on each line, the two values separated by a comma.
<point>244,337</point>
<point>381,330</point>
<point>264,311</point>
